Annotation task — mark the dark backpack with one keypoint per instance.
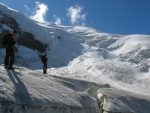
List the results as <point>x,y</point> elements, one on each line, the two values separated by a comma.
<point>7,40</point>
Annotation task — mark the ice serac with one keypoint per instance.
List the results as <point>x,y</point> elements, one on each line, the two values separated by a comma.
<point>113,100</point>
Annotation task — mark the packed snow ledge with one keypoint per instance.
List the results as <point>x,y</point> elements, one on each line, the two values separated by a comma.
<point>33,92</point>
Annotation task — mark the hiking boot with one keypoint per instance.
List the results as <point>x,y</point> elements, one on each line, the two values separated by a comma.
<point>44,72</point>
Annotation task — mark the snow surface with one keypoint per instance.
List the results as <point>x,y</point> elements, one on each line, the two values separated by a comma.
<point>88,71</point>
<point>24,87</point>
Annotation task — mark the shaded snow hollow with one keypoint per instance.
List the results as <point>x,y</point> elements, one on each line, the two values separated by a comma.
<point>89,72</point>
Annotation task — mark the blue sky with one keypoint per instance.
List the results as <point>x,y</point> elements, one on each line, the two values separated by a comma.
<point>112,16</point>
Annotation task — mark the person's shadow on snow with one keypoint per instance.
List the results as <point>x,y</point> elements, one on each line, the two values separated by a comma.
<point>21,94</point>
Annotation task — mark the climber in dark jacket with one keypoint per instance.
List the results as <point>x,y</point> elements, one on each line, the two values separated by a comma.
<point>44,60</point>
<point>8,43</point>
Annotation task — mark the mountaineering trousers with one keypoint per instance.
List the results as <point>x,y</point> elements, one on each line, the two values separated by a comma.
<point>44,67</point>
<point>9,57</point>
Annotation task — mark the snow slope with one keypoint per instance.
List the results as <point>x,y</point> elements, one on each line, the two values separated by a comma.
<point>83,60</point>
<point>38,93</point>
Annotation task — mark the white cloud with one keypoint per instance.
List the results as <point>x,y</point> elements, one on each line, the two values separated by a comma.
<point>57,20</point>
<point>40,12</point>
<point>76,15</point>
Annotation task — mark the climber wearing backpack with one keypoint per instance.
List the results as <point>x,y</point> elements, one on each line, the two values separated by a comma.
<point>8,42</point>
<point>44,60</point>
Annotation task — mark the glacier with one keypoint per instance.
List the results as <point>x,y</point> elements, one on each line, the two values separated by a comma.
<point>89,71</point>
